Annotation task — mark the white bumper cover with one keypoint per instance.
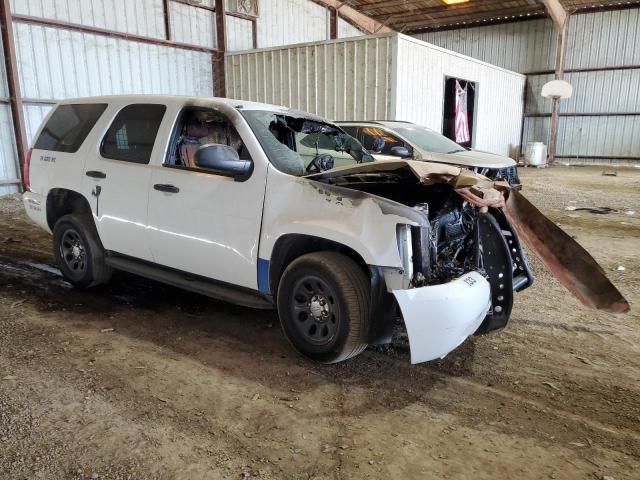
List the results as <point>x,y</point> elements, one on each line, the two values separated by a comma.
<point>440,317</point>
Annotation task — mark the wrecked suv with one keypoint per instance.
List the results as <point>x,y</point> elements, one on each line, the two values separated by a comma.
<point>273,208</point>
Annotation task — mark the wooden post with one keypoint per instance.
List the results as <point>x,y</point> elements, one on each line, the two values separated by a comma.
<point>13,83</point>
<point>561,23</point>
<point>559,75</point>
<point>221,34</point>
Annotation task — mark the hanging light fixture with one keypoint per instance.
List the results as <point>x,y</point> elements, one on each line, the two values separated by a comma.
<point>453,2</point>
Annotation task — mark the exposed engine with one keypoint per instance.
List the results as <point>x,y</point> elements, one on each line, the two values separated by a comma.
<point>453,240</point>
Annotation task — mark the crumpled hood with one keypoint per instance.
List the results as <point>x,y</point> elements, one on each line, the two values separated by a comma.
<point>565,258</point>
<point>471,158</point>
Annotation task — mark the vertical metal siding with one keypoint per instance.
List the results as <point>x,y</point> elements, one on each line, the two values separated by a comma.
<point>604,39</point>
<point>285,22</point>
<point>56,63</point>
<point>420,93</point>
<point>346,30</point>
<point>139,17</point>
<point>342,80</point>
<point>239,34</point>
<point>8,153</point>
<point>195,26</point>
<point>520,46</point>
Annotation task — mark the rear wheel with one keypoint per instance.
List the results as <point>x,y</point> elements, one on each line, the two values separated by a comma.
<point>78,251</point>
<point>323,304</point>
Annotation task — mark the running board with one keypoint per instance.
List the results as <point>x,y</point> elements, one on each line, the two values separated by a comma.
<point>209,288</point>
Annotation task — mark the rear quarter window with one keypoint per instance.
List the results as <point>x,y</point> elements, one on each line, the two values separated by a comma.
<point>133,133</point>
<point>68,126</point>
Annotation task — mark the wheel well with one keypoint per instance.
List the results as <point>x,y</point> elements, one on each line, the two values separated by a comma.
<point>61,201</point>
<point>290,247</point>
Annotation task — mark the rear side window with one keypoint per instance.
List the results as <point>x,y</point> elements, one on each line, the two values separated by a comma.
<point>68,126</point>
<point>133,132</point>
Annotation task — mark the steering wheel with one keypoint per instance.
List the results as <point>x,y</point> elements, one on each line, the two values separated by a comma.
<point>320,163</point>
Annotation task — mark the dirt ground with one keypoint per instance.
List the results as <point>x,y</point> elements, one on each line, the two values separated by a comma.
<point>139,380</point>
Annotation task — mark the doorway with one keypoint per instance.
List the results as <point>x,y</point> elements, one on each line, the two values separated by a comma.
<point>464,89</point>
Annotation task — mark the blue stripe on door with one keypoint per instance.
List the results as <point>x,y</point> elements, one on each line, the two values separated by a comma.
<point>263,276</point>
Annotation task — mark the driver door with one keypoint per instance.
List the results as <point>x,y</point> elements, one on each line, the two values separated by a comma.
<point>201,222</point>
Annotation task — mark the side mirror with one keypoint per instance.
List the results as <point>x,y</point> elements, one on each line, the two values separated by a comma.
<point>402,152</point>
<point>222,160</point>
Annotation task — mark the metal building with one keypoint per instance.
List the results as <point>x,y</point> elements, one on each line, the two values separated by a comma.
<point>390,76</point>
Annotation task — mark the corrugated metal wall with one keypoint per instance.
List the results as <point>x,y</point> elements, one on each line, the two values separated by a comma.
<point>284,22</point>
<point>140,17</point>
<point>601,40</point>
<point>326,78</point>
<point>239,34</point>
<point>195,26</point>
<point>419,93</point>
<point>346,30</point>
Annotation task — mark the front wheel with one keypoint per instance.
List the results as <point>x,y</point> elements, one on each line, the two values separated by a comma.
<point>323,304</point>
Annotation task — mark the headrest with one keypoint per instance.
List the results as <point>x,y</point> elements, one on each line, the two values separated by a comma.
<point>197,129</point>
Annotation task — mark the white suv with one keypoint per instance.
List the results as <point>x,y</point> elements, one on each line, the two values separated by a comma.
<point>272,208</point>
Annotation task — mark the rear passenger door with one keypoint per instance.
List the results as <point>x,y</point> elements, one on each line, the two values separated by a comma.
<point>117,178</point>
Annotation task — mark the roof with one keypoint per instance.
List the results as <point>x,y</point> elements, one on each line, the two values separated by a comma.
<point>413,16</point>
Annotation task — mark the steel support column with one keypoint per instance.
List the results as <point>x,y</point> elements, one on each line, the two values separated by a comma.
<point>13,83</point>
<point>333,23</point>
<point>221,35</point>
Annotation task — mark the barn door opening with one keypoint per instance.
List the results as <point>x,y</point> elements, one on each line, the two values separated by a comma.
<point>458,122</point>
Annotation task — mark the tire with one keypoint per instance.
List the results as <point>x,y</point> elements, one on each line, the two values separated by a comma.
<point>323,304</point>
<point>78,251</point>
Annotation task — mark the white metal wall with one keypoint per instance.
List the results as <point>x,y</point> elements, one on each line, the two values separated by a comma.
<point>346,30</point>
<point>596,40</point>
<point>139,17</point>
<point>284,22</point>
<point>327,78</point>
<point>195,26</point>
<point>419,93</point>
<point>239,34</point>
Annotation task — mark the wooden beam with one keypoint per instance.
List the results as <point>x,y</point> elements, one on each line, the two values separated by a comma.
<point>557,13</point>
<point>13,83</point>
<point>221,35</point>
<point>363,22</point>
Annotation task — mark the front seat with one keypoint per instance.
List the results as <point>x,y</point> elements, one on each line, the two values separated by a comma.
<point>190,143</point>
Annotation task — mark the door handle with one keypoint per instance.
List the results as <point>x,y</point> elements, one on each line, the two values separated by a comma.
<point>96,174</point>
<point>163,187</point>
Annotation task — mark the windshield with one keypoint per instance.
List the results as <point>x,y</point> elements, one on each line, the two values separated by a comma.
<point>298,145</point>
<point>428,139</point>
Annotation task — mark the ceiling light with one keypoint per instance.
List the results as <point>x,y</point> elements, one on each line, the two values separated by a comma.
<point>453,2</point>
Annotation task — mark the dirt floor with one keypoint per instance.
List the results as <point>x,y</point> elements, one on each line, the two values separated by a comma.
<point>139,380</point>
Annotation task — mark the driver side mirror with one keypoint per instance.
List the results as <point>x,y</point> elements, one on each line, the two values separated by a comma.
<point>222,160</point>
<point>402,152</point>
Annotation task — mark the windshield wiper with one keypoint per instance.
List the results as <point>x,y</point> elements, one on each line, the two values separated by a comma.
<point>456,151</point>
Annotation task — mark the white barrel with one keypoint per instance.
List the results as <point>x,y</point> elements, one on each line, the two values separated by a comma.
<point>535,154</point>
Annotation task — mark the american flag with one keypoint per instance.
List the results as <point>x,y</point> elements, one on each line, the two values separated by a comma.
<point>462,122</point>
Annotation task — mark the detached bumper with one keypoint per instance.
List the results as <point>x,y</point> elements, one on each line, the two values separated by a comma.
<point>440,317</point>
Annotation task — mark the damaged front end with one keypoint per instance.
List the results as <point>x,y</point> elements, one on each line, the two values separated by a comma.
<point>463,265</point>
